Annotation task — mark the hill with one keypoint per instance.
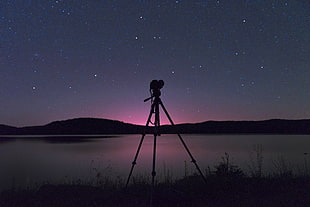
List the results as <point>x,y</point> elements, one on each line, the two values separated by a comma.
<point>7,129</point>
<point>83,126</point>
<point>273,126</point>
<point>106,126</point>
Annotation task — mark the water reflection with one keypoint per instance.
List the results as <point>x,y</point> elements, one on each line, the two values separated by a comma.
<point>57,139</point>
<point>36,159</point>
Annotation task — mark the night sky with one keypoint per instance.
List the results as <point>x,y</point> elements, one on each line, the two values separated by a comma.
<point>220,60</point>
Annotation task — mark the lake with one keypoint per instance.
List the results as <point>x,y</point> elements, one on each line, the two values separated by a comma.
<point>30,160</point>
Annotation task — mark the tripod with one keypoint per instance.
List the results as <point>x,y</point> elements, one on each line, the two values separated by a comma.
<point>155,87</point>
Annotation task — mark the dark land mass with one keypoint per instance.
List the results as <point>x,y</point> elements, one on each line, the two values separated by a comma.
<point>7,129</point>
<point>88,126</point>
<point>188,192</point>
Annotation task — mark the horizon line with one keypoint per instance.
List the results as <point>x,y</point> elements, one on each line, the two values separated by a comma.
<point>161,125</point>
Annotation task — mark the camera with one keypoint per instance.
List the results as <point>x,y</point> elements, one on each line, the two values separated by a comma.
<point>156,84</point>
<point>155,87</point>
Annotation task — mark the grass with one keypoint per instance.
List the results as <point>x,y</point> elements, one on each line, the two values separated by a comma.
<point>189,191</point>
<point>226,186</point>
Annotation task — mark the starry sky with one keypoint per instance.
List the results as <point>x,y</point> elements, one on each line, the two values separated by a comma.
<point>220,59</point>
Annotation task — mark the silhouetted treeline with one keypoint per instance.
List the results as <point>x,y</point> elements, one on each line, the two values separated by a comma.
<point>105,126</point>
<point>273,126</point>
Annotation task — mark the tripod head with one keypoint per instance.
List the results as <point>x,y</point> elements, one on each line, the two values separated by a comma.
<point>155,87</point>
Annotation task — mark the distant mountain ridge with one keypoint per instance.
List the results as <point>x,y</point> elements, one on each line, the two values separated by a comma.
<point>105,126</point>
<point>272,126</point>
<point>82,126</point>
<point>7,129</point>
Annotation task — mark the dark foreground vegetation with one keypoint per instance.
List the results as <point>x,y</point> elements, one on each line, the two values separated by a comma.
<point>190,191</point>
<point>226,186</point>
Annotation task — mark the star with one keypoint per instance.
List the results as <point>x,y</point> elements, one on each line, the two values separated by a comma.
<point>213,48</point>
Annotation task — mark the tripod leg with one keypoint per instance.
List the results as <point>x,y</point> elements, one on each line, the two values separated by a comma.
<point>139,147</point>
<point>156,133</point>
<point>153,171</point>
<point>154,161</point>
<point>184,144</point>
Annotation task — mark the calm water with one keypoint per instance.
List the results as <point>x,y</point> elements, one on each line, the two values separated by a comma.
<point>28,161</point>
